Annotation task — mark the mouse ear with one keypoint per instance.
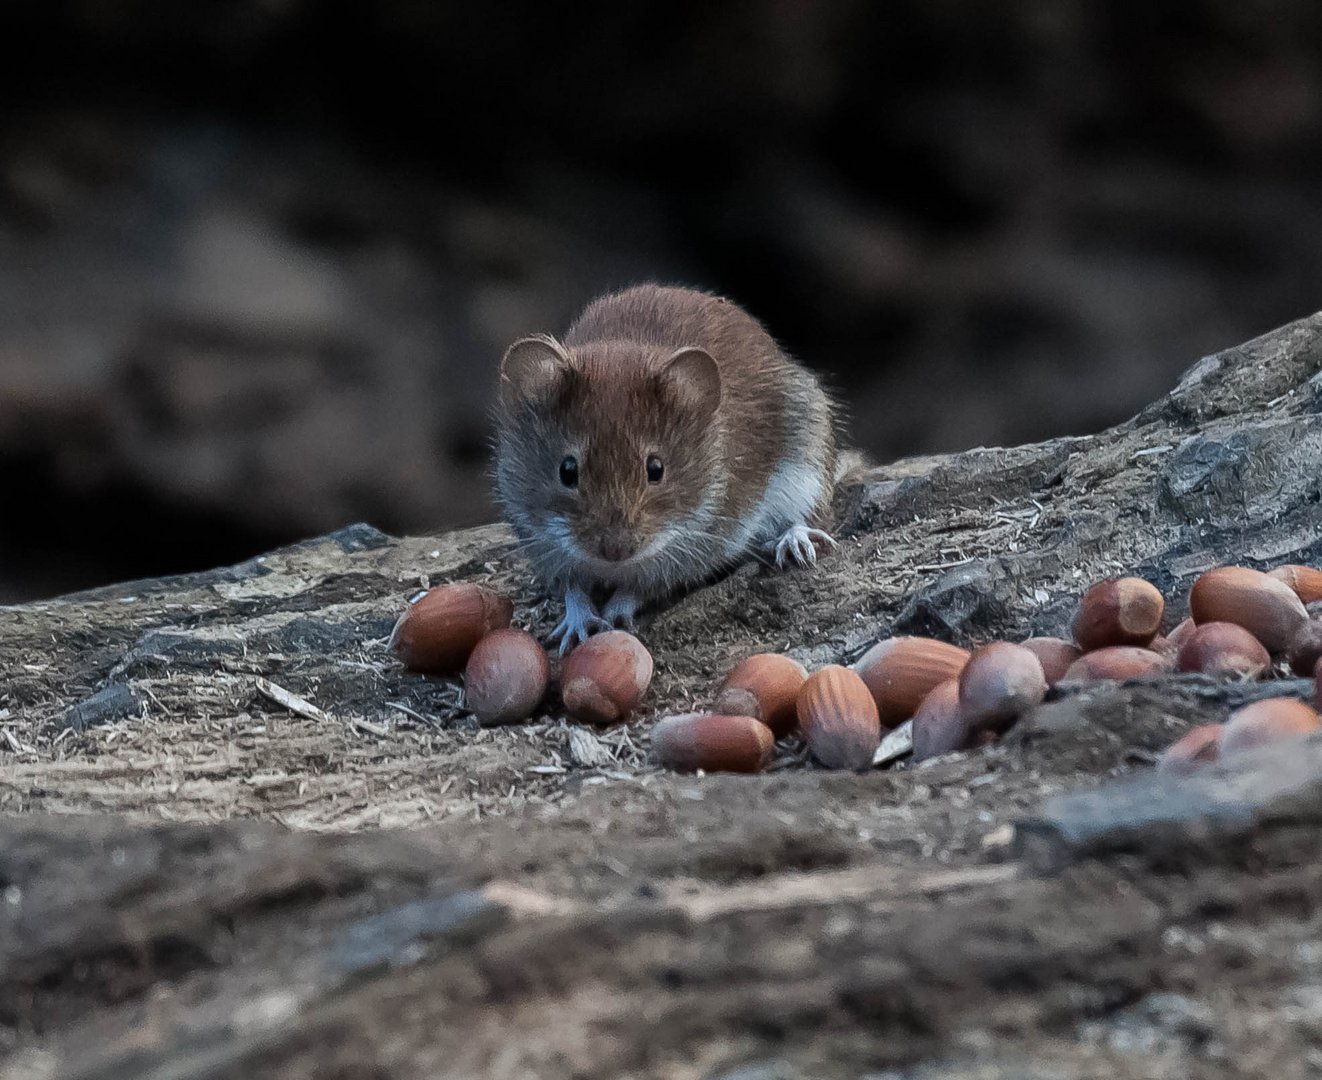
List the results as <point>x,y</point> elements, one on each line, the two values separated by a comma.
<point>532,367</point>
<point>691,375</point>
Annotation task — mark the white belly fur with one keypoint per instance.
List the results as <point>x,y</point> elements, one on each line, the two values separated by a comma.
<point>793,492</point>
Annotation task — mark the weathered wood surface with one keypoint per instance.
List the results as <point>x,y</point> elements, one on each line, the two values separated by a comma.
<point>236,896</point>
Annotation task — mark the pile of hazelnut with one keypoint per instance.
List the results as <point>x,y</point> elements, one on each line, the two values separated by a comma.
<point>466,628</point>
<point>1240,620</point>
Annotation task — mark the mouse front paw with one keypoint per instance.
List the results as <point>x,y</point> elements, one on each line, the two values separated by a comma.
<point>621,611</point>
<point>799,545</point>
<point>581,621</point>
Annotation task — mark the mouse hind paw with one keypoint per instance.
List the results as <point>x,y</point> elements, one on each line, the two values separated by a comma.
<point>798,545</point>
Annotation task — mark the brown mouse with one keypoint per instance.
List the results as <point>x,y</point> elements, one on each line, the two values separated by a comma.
<point>664,438</point>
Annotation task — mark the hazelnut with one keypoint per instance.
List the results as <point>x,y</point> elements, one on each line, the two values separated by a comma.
<point>1304,580</point>
<point>1054,654</point>
<point>605,678</point>
<point>1265,606</point>
<point>901,671</point>
<point>439,629</point>
<point>1117,663</point>
<point>764,686</point>
<point>713,742</point>
<point>1199,746</point>
<point>1000,682</point>
<point>938,725</point>
<point>838,718</point>
<point>506,677</point>
<point>1118,611</point>
<point>1306,648</point>
<point>1268,721</point>
<point>1223,650</point>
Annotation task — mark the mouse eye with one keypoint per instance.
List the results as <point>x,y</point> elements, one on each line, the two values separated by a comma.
<point>655,470</point>
<point>569,471</point>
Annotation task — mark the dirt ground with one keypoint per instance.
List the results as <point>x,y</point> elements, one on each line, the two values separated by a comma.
<point>197,882</point>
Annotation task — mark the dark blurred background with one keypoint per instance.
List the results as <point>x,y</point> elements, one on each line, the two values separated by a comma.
<point>259,258</point>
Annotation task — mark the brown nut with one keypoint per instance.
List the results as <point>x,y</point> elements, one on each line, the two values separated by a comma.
<point>440,628</point>
<point>1268,721</point>
<point>1118,611</point>
<point>938,725</point>
<point>1200,746</point>
<point>1265,606</point>
<point>1000,682</point>
<point>713,742</point>
<point>1306,648</point>
<point>1054,654</point>
<point>1223,650</point>
<point>506,677</point>
<point>764,686</point>
<point>605,678</point>
<point>1304,580</point>
<point>1117,663</point>
<point>838,718</point>
<point>901,671</point>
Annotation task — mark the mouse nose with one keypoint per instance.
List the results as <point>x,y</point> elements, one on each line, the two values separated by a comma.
<point>615,547</point>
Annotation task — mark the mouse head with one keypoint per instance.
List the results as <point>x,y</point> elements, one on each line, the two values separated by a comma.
<point>607,453</point>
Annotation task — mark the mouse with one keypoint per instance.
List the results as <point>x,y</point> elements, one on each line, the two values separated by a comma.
<point>660,441</point>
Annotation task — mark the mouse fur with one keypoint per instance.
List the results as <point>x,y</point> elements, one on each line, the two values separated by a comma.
<point>664,438</point>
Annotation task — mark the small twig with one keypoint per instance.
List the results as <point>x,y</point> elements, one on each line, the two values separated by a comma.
<point>398,707</point>
<point>379,730</point>
<point>292,702</point>
<point>942,566</point>
<point>863,883</point>
<point>895,745</point>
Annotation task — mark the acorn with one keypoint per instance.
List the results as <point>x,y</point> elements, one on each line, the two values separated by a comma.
<point>1000,682</point>
<point>1268,721</point>
<point>605,678</point>
<point>1223,650</point>
<point>901,671</point>
<point>1265,606</point>
<point>1199,746</point>
<point>838,718</point>
<point>938,725</point>
<point>441,627</point>
<point>1304,580</point>
<point>765,686</point>
<point>1118,611</point>
<point>506,677</point>
<point>713,742</point>
<point>1117,663</point>
<point>1306,648</point>
<point>1054,654</point>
